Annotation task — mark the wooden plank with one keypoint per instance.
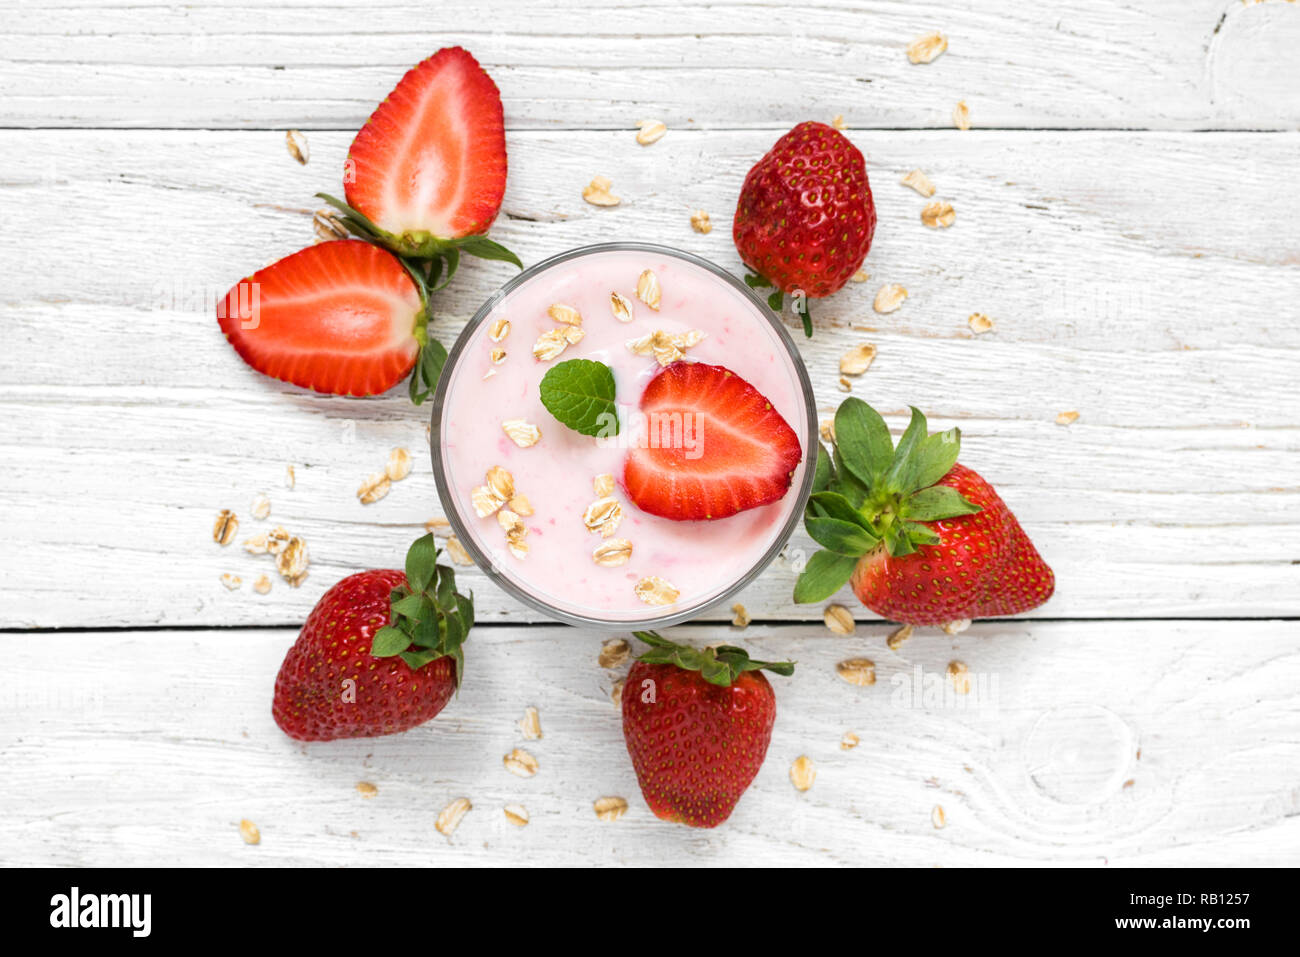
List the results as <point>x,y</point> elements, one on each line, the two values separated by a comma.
<point>1165,64</point>
<point>1084,743</point>
<point>127,422</point>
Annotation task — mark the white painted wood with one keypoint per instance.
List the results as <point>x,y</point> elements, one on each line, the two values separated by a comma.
<point>1111,743</point>
<point>1165,64</point>
<point>1148,280</point>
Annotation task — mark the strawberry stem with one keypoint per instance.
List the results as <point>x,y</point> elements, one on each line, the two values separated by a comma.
<point>719,665</point>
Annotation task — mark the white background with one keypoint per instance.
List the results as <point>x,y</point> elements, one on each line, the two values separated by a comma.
<point>1126,212</point>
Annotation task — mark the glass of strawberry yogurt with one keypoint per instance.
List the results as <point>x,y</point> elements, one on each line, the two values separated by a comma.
<point>707,475</point>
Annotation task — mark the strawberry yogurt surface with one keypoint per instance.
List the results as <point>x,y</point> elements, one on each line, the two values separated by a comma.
<point>552,554</point>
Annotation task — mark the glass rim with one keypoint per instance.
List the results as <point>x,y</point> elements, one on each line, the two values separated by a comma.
<point>487,565</point>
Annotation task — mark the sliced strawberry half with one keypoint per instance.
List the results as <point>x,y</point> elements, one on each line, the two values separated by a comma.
<point>338,317</point>
<point>430,163</point>
<point>722,447</point>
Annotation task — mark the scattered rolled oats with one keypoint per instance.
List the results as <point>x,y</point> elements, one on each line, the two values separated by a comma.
<point>456,551</point>
<point>740,617</point>
<point>565,314</point>
<point>961,116</point>
<point>857,671</point>
<point>366,789</point>
<point>484,502</point>
<point>573,335</point>
<point>489,374</point>
<point>262,585</point>
<point>520,505</point>
<point>510,522</point>
<point>530,725</point>
<point>620,306</point>
<point>374,488</point>
<point>613,653</point>
<point>959,675</point>
<point>249,832</point>
<point>399,464</point>
<point>520,763</point>
<point>449,818</point>
<point>1065,418</point>
<point>667,348</point>
<point>550,344</point>
<point>497,356</point>
<point>499,329</point>
<point>838,619</point>
<point>839,122</point>
<point>277,540</point>
<point>858,359</point>
<point>516,814</point>
<point>500,483</point>
<point>898,636</point>
<point>647,289</point>
<point>597,192</point>
<point>609,808</point>
<point>889,297</point>
<point>296,142</point>
<point>700,222</point>
<point>515,542</point>
<point>612,552</point>
<point>603,516</point>
<point>603,485</point>
<point>827,430</point>
<point>849,741</point>
<point>521,432</point>
<point>927,48</point>
<point>327,226</point>
<point>653,590</point>
<point>232,582</point>
<point>919,182</point>
<point>845,385</point>
<point>616,692</point>
<point>292,562</point>
<point>803,773</point>
<point>979,323</point>
<point>439,525</point>
<point>860,276</point>
<point>225,528</point>
<point>937,818</point>
<point>956,627</point>
<point>650,131</point>
<point>938,215</point>
<point>290,477</point>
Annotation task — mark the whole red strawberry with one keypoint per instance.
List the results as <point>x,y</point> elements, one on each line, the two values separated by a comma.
<point>922,539</point>
<point>380,653</point>
<point>805,217</point>
<point>697,725</point>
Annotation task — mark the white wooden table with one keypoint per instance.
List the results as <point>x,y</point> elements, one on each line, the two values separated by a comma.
<point>1126,211</point>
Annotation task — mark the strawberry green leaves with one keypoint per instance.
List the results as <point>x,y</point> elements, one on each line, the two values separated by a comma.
<point>867,494</point>
<point>580,394</point>
<point>720,665</point>
<point>430,619</point>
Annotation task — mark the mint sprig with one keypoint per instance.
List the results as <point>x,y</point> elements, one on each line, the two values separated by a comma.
<point>869,495</point>
<point>580,394</point>
<point>430,619</point>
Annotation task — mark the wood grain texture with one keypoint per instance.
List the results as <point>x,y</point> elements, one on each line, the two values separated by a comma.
<point>1088,743</point>
<point>128,422</point>
<point>1162,64</point>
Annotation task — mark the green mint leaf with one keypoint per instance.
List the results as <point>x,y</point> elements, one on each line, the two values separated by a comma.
<point>485,248</point>
<point>843,538</point>
<point>421,562</point>
<point>580,393</point>
<point>389,641</point>
<point>826,574</point>
<point>862,438</point>
<point>935,503</point>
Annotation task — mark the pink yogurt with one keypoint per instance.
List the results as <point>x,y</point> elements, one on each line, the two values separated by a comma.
<point>703,560</point>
